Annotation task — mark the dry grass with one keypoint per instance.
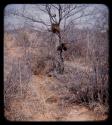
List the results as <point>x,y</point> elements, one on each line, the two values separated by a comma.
<point>35,91</point>
<point>43,104</point>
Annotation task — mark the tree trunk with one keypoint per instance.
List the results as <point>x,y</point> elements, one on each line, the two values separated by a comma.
<point>61,61</point>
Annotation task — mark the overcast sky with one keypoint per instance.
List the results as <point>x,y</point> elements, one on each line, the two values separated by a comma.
<point>32,10</point>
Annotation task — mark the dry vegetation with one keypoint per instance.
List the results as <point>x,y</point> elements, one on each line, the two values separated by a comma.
<point>34,90</point>
<point>61,75</point>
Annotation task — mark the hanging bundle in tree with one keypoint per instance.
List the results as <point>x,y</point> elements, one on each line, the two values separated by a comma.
<point>55,28</point>
<point>62,47</point>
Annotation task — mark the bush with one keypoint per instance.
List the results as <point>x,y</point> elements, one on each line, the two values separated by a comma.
<point>43,65</point>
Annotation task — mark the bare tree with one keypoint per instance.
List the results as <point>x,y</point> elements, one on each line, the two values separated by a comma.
<point>59,17</point>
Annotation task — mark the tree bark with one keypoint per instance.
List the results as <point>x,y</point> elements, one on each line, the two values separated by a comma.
<point>61,62</point>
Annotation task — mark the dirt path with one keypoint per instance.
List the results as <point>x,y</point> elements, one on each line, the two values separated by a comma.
<point>49,100</point>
